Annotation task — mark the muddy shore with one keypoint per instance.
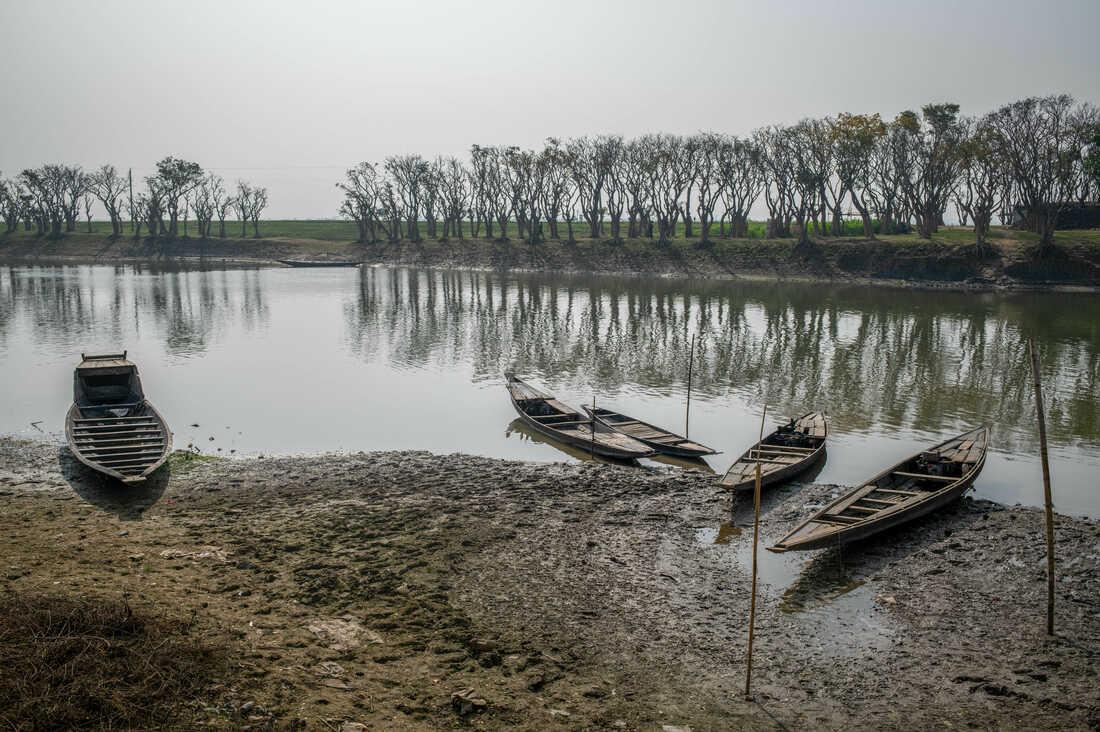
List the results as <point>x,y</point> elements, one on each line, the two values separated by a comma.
<point>369,588</point>
<point>941,265</point>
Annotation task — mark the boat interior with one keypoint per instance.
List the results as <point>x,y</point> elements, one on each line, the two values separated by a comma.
<point>108,388</point>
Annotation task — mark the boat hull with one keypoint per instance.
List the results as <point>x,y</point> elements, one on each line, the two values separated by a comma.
<point>304,263</point>
<point>741,478</point>
<point>596,439</point>
<point>127,449</point>
<point>895,496</point>
<point>660,447</point>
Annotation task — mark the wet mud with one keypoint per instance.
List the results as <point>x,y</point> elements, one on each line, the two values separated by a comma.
<point>417,591</point>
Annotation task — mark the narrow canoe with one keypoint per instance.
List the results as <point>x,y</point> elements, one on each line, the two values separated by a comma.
<point>914,487</point>
<point>787,452</point>
<point>661,440</point>
<point>545,414</point>
<point>111,427</point>
<point>318,263</point>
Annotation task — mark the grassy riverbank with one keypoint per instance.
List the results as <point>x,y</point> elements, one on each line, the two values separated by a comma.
<point>949,259</point>
<point>372,588</point>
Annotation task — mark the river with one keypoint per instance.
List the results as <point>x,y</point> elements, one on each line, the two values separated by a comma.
<point>276,361</point>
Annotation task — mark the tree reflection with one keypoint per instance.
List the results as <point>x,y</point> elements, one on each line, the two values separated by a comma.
<point>870,356</point>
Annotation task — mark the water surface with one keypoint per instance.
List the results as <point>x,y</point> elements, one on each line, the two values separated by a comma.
<point>290,360</point>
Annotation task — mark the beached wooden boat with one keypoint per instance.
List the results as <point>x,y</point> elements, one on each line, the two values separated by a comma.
<point>789,451</point>
<point>111,427</point>
<point>545,414</point>
<point>318,263</point>
<point>914,487</point>
<point>661,440</point>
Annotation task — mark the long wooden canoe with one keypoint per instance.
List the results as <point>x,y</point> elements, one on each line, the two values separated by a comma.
<point>787,452</point>
<point>545,414</point>
<point>318,263</point>
<point>661,440</point>
<point>111,427</point>
<point>914,487</point>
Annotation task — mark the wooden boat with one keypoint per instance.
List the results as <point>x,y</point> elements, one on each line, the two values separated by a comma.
<point>111,427</point>
<point>789,451</point>
<point>318,263</point>
<point>914,487</point>
<point>661,440</point>
<point>545,414</point>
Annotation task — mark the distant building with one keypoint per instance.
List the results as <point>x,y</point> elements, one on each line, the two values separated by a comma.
<point>1072,216</point>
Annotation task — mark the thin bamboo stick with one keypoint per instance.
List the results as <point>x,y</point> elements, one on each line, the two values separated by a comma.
<point>1046,486</point>
<point>755,542</point>
<point>687,411</point>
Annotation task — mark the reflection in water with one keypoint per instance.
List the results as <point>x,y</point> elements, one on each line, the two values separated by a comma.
<point>876,358</point>
<point>190,308</point>
<point>283,360</point>
<point>519,428</point>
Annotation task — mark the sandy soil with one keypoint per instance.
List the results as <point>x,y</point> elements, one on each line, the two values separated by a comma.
<point>368,589</point>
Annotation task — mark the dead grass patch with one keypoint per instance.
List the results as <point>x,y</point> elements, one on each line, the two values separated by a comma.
<point>98,664</point>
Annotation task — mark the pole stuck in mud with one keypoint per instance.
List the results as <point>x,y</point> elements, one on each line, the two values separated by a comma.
<point>691,360</point>
<point>755,542</point>
<point>1046,485</point>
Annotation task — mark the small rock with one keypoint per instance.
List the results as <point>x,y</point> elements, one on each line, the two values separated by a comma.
<point>482,644</point>
<point>558,713</point>
<point>466,701</point>
<point>124,533</point>
<point>675,728</point>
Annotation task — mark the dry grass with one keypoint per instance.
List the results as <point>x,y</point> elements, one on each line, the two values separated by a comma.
<point>98,664</point>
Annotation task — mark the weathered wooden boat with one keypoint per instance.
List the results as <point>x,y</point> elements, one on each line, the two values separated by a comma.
<point>914,487</point>
<point>661,440</point>
<point>789,451</point>
<point>111,427</point>
<point>318,263</point>
<point>545,414</point>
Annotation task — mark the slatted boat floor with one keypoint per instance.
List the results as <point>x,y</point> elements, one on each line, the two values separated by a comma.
<point>909,489</point>
<point>776,460</point>
<point>657,438</point>
<point>128,445</point>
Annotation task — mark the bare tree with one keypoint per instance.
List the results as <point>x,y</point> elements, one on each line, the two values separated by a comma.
<point>108,186</point>
<point>708,180</point>
<point>454,192</point>
<point>242,204</point>
<point>204,201</point>
<point>1041,139</point>
<point>930,157</point>
<point>742,180</point>
<point>984,177</point>
<point>257,204</point>
<point>361,200</point>
<point>409,173</point>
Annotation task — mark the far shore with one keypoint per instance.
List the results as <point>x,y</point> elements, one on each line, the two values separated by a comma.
<point>949,261</point>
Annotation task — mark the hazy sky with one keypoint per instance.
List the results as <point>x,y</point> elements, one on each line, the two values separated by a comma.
<point>288,93</point>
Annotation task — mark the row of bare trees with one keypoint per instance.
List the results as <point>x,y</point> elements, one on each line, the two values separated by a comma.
<point>1028,156</point>
<point>50,199</point>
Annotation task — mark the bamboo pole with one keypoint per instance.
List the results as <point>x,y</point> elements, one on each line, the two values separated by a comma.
<point>755,542</point>
<point>1046,485</point>
<point>592,445</point>
<point>687,411</point>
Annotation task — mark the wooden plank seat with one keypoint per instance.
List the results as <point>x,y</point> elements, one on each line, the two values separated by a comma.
<point>923,476</point>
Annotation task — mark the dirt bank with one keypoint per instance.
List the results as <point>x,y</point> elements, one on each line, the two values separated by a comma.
<point>370,588</point>
<point>903,261</point>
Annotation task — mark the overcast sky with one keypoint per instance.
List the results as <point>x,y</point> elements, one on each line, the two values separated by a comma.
<point>288,93</point>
